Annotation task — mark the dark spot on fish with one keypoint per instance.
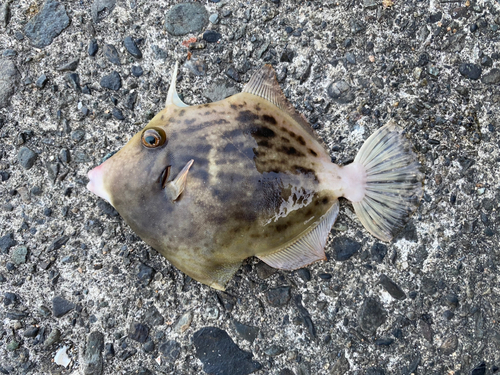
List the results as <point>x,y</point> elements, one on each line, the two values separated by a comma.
<point>246,116</point>
<point>269,119</point>
<point>305,171</point>
<point>207,113</point>
<point>203,148</point>
<point>312,152</point>
<point>262,132</point>
<point>221,121</point>
<point>301,140</point>
<point>292,134</point>
<point>280,228</point>
<point>233,106</point>
<point>257,107</point>
<point>229,148</point>
<point>182,112</point>
<point>206,105</point>
<point>231,133</point>
<point>162,117</point>
<point>325,200</point>
<point>292,151</point>
<point>189,121</point>
<point>286,140</point>
<point>263,143</point>
<point>309,212</point>
<point>171,119</point>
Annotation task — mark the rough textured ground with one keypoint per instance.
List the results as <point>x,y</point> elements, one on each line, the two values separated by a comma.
<point>73,274</point>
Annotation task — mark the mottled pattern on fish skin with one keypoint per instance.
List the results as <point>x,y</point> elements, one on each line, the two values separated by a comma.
<point>254,186</point>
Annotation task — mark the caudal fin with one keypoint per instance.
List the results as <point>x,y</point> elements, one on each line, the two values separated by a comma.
<point>389,170</point>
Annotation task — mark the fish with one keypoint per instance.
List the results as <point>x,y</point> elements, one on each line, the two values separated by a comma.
<point>211,185</point>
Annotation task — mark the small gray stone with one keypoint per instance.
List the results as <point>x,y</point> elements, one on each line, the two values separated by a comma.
<point>153,317</point>
<point>47,24</point>
<point>492,77</point>
<point>264,271</point>
<point>100,9</point>
<point>392,288</point>
<point>220,355</point>
<point>6,242</point>
<point>61,306</point>
<point>471,71</point>
<point>170,350</point>
<point>185,18</point>
<point>5,13</point>
<point>117,114</point>
<point>19,255</point>
<point>371,315</point>
<point>214,18</point>
<point>197,66</point>
<point>26,157</point>
<point>278,296</point>
<point>131,47</point>
<point>64,156</point>
<point>53,337</point>
<point>92,355</point>
<point>111,54</point>
<point>184,322</point>
<point>74,81</point>
<point>137,71</point>
<point>370,4</point>
<point>344,248</point>
<point>145,274</point>
<point>341,92</point>
<point>248,333</point>
<point>69,66</point>
<point>78,135</point>
<point>41,81</point>
<point>111,81</point>
<point>9,78</point>
<point>31,332</point>
<point>138,332</point>
<point>449,345</point>
<point>93,47</point>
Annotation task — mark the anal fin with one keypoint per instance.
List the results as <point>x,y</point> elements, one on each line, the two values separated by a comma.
<point>306,249</point>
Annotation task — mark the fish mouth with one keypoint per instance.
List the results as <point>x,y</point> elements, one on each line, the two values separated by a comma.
<point>165,174</point>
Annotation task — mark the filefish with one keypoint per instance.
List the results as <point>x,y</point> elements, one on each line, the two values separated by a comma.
<point>210,185</point>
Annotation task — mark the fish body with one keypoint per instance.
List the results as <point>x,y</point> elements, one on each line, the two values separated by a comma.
<point>251,180</point>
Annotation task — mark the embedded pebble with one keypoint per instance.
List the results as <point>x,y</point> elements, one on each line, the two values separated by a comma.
<point>47,24</point>
<point>131,47</point>
<point>341,92</point>
<point>371,315</point>
<point>344,248</point>
<point>492,77</point>
<point>145,274</point>
<point>19,255</point>
<point>246,332</point>
<point>137,71</point>
<point>170,350</point>
<point>220,355</point>
<point>93,48</point>
<point>111,54</point>
<point>100,9</point>
<point>6,242</point>
<point>53,337</point>
<point>138,332</point>
<point>278,296</point>
<point>184,322</point>
<point>111,81</point>
<point>61,306</point>
<point>471,71</point>
<point>211,36</point>
<point>26,157</point>
<point>9,77</point>
<point>117,114</point>
<point>185,18</point>
<point>41,81</point>
<point>392,288</point>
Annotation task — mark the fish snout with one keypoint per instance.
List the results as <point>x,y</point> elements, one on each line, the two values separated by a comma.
<point>96,183</point>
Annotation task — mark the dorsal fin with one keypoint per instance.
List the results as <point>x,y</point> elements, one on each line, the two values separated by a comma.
<point>306,249</point>
<point>264,84</point>
<point>172,96</point>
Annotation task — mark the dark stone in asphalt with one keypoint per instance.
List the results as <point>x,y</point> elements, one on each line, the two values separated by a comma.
<point>185,18</point>
<point>220,355</point>
<point>344,248</point>
<point>47,24</point>
<point>61,306</point>
<point>371,315</point>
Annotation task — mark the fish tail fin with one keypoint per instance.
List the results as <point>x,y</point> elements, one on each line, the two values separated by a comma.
<point>386,182</point>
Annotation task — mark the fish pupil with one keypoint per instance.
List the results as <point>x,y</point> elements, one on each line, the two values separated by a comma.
<point>150,140</point>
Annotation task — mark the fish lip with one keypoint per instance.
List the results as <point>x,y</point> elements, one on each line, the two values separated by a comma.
<point>164,176</point>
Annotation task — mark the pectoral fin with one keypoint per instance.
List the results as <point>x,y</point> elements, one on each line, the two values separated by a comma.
<point>175,187</point>
<point>306,249</point>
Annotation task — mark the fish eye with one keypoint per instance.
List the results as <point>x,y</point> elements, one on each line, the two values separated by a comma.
<point>153,137</point>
